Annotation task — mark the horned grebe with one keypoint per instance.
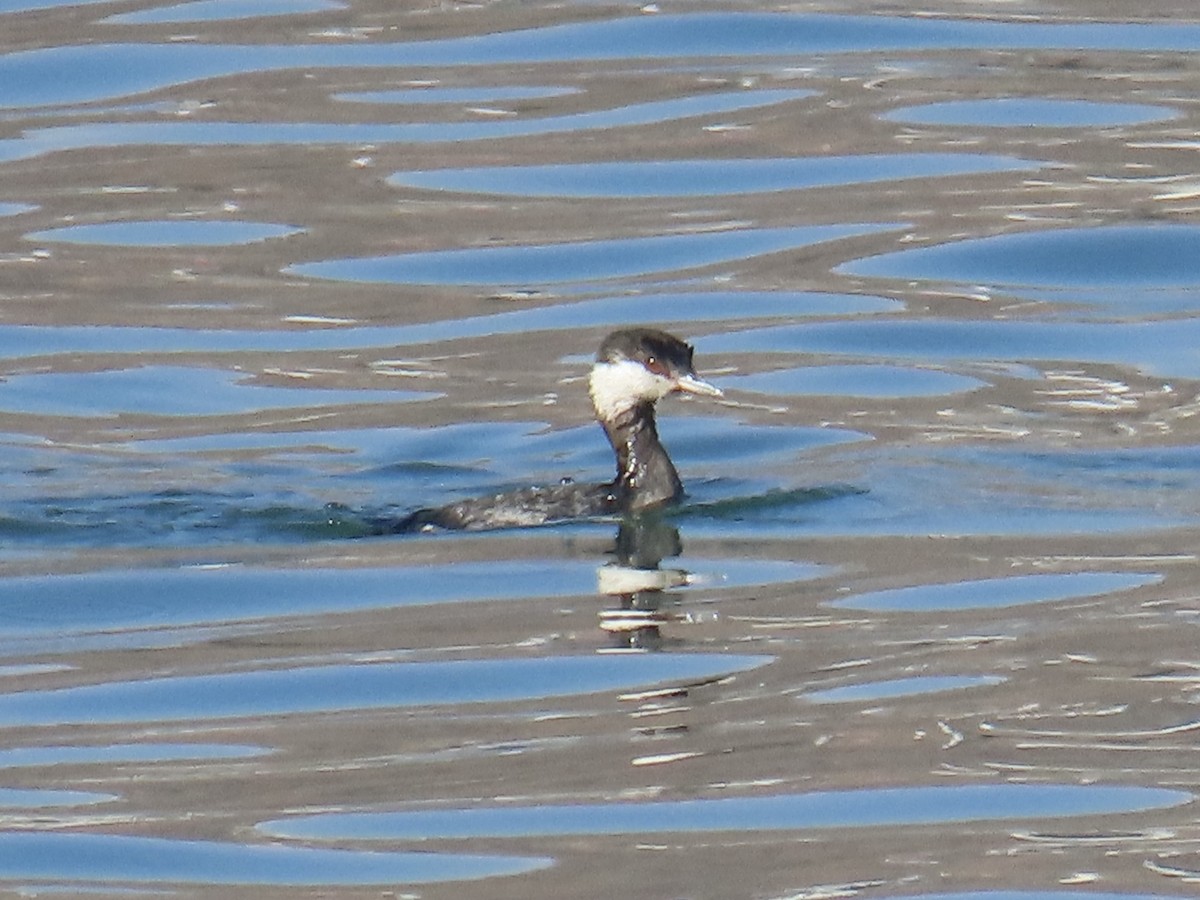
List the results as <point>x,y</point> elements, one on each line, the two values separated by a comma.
<point>634,369</point>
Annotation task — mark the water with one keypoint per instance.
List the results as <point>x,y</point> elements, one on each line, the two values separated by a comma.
<point>925,624</point>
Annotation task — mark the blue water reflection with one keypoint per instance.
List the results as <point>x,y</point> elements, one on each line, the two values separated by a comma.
<point>36,142</point>
<point>80,74</point>
<point>380,685</point>
<point>1031,112</point>
<point>965,490</point>
<point>819,809</point>
<point>577,261</point>
<point>855,381</point>
<point>108,859</point>
<point>1142,256</point>
<point>26,757</point>
<point>219,10</point>
<point>998,592</point>
<point>895,688</point>
<point>165,233</point>
<point>472,95</point>
<point>168,391</point>
<point>1167,349</point>
<point>144,598</point>
<point>702,177</point>
<point>12,6</point>
<point>31,798</point>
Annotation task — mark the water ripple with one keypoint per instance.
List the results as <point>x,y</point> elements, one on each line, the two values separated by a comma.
<point>703,177</point>
<point>36,142</point>
<point>125,858</point>
<point>80,74</point>
<point>828,809</point>
<point>578,260</point>
<point>383,685</point>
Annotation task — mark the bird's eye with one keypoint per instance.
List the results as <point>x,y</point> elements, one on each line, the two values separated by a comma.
<point>655,366</point>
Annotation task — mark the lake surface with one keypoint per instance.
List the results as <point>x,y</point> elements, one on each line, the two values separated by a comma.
<point>271,270</point>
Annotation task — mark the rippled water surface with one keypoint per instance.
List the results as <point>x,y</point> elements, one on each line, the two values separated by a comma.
<point>273,272</point>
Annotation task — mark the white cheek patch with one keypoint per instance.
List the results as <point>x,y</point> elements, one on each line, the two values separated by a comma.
<point>615,387</point>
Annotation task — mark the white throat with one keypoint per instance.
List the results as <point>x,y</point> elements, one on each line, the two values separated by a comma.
<point>617,387</point>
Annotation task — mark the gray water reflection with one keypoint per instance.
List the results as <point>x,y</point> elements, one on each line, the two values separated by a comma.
<point>704,177</point>
<point>109,859</point>
<point>1031,112</point>
<point>831,809</point>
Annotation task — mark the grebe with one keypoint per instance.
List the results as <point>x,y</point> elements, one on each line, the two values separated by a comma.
<point>634,369</point>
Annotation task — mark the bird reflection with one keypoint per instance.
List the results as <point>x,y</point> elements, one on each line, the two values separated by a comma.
<point>641,587</point>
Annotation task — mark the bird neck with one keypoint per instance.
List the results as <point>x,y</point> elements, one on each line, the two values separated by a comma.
<point>645,475</point>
